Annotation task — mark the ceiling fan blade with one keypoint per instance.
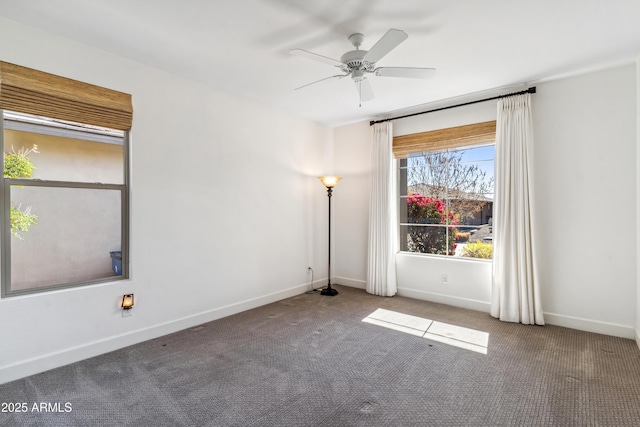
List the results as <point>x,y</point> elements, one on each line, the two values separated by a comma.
<point>386,44</point>
<point>407,72</point>
<point>321,80</point>
<point>310,55</point>
<point>365,92</point>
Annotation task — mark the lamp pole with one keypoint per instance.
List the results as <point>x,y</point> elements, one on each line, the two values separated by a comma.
<point>329,182</point>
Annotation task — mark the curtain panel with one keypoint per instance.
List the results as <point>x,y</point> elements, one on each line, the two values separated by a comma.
<point>383,214</point>
<point>515,289</point>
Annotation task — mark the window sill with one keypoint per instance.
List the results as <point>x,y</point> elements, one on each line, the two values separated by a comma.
<point>444,257</point>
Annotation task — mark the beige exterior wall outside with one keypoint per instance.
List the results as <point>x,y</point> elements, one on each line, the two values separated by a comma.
<point>77,228</point>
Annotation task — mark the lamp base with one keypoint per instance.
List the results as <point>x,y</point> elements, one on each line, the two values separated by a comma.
<point>329,291</point>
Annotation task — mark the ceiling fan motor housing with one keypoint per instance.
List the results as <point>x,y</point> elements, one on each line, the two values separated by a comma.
<point>353,60</point>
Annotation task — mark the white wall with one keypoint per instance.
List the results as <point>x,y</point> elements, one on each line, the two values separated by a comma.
<point>351,203</point>
<point>226,213</point>
<point>585,189</point>
<point>584,166</point>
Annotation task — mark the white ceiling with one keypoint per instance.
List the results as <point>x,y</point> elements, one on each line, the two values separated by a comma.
<point>241,46</point>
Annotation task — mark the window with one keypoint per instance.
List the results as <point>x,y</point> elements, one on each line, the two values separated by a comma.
<point>446,196</point>
<point>65,200</point>
<point>64,195</point>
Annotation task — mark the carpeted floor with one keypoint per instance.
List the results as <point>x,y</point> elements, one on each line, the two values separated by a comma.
<point>311,361</point>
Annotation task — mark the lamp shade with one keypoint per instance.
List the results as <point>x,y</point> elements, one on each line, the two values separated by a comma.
<point>330,181</point>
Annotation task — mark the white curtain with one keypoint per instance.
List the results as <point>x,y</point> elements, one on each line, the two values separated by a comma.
<point>383,214</point>
<point>516,293</point>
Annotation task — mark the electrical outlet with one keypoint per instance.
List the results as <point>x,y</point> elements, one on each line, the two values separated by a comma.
<point>445,279</point>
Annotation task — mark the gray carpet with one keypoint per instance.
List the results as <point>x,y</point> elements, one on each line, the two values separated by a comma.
<point>311,361</point>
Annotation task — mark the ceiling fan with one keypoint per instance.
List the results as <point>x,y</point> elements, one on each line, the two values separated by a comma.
<point>358,63</point>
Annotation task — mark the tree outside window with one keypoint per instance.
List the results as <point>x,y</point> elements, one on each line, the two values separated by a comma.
<point>17,164</point>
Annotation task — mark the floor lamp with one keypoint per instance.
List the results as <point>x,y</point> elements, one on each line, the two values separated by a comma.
<point>329,182</point>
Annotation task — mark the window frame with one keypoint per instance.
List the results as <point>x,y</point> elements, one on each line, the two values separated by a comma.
<point>5,220</point>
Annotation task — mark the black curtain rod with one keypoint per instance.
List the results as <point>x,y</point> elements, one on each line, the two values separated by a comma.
<point>530,90</point>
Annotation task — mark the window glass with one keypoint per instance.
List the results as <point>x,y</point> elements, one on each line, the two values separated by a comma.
<point>64,204</point>
<point>67,152</point>
<point>76,231</point>
<point>446,202</point>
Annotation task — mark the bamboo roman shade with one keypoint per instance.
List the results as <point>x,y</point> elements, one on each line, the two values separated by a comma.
<point>441,139</point>
<point>25,90</point>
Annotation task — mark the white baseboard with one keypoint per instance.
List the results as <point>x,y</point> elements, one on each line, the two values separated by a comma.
<point>423,295</point>
<point>316,284</point>
<point>590,325</point>
<point>446,299</point>
<point>571,322</point>
<point>57,359</point>
<point>353,283</point>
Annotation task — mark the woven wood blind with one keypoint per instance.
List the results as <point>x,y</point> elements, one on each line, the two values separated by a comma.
<point>440,139</point>
<point>25,90</point>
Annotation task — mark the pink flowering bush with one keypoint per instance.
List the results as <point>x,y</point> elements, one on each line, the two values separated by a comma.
<point>433,240</point>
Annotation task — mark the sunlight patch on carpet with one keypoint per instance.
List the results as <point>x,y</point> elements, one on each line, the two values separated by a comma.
<point>468,339</point>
